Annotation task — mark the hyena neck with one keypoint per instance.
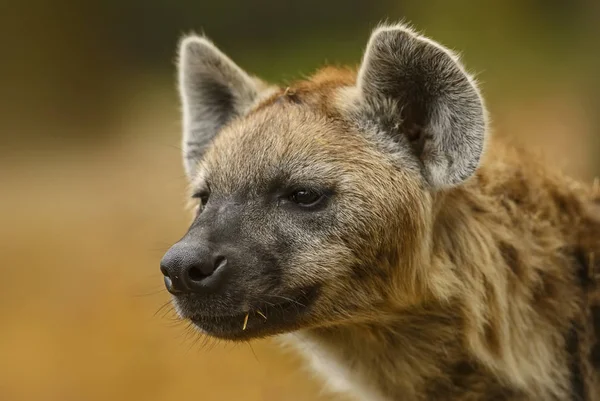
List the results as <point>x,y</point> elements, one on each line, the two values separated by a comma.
<point>511,238</point>
<point>401,357</point>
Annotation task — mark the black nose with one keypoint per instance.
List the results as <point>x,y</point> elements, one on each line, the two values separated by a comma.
<point>189,268</point>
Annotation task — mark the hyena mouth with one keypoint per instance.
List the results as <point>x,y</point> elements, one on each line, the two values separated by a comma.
<point>262,320</point>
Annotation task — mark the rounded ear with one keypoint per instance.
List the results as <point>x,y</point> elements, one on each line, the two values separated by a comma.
<point>421,88</point>
<point>213,90</point>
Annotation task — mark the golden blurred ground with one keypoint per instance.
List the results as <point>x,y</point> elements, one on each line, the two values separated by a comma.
<point>82,231</point>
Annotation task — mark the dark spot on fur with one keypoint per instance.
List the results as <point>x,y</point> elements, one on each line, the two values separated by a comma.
<point>518,189</point>
<point>367,271</point>
<point>595,356</point>
<point>272,271</point>
<point>595,311</point>
<point>577,383</point>
<point>477,209</point>
<point>511,257</point>
<point>481,178</point>
<point>360,272</point>
<point>461,373</point>
<point>547,291</point>
<point>582,267</point>
<point>566,203</point>
<point>470,381</point>
<point>491,332</point>
<point>580,259</point>
<point>492,339</point>
<point>561,201</point>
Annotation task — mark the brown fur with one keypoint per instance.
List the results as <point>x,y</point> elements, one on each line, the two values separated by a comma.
<point>483,291</point>
<point>513,319</point>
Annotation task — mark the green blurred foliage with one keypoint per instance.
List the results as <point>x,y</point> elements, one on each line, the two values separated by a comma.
<point>65,58</point>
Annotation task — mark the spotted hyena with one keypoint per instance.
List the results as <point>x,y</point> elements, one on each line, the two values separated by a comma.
<point>369,212</point>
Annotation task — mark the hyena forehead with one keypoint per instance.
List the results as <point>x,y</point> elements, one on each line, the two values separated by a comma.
<point>285,143</point>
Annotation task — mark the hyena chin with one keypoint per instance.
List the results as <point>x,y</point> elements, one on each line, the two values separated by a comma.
<point>359,210</point>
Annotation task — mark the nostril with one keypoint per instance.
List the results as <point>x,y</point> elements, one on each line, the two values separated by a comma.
<point>195,274</point>
<point>220,261</point>
<point>170,287</point>
<point>200,272</point>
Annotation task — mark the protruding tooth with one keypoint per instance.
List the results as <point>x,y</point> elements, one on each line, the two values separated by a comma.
<point>246,321</point>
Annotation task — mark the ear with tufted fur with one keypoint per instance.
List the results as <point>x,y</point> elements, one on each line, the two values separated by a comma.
<point>213,90</point>
<point>428,98</point>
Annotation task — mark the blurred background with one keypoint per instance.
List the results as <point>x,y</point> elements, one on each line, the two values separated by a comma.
<point>92,187</point>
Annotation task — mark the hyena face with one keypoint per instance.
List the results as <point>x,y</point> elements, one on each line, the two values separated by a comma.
<point>314,202</point>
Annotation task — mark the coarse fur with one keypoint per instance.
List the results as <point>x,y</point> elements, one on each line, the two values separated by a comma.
<point>441,263</point>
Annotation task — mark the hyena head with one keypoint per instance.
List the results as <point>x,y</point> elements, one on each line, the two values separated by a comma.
<point>314,202</point>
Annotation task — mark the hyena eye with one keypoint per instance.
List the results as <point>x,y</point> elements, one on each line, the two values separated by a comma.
<point>202,196</point>
<point>306,197</point>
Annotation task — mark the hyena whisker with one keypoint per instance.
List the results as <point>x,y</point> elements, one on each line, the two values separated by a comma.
<point>165,309</point>
<point>252,350</point>
<point>288,299</point>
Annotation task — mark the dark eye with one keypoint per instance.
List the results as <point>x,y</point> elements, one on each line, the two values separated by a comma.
<point>306,197</point>
<point>203,196</point>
